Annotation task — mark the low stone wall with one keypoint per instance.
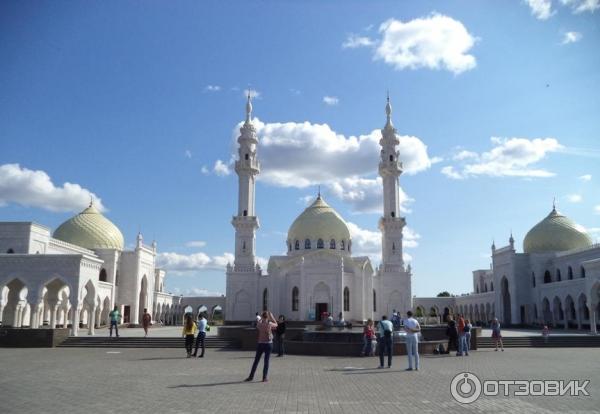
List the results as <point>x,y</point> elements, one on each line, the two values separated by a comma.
<point>32,338</point>
<point>348,348</point>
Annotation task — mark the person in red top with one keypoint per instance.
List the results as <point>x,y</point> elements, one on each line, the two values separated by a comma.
<point>368,335</point>
<point>264,345</point>
<point>146,320</point>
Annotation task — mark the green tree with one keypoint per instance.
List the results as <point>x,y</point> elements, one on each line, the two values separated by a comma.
<point>444,294</point>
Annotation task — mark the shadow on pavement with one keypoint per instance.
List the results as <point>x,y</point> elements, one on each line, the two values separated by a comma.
<point>205,385</point>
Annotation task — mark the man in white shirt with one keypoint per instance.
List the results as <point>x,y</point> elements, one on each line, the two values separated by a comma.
<point>386,343</point>
<point>202,322</point>
<point>412,327</point>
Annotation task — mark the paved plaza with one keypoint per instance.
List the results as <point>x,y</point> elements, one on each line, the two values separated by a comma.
<point>80,380</point>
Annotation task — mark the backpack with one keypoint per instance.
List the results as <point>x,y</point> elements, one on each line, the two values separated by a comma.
<point>467,328</point>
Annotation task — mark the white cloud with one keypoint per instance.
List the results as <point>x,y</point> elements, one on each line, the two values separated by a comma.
<point>331,100</point>
<point>597,209</point>
<point>193,262</point>
<point>368,242</point>
<point>450,172</point>
<point>204,170</point>
<point>511,157</point>
<point>433,42</point>
<point>585,177</point>
<point>354,41</point>
<point>365,195</point>
<point>541,9</point>
<point>191,292</point>
<point>188,153</point>
<point>464,155</point>
<point>196,243</point>
<point>221,169</point>
<point>581,6</point>
<point>254,94</point>
<point>571,37</point>
<point>31,188</point>
<point>294,155</point>
<point>212,88</point>
<point>574,198</point>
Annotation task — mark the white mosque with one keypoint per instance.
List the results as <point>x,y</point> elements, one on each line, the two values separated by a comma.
<point>318,274</point>
<point>77,275</point>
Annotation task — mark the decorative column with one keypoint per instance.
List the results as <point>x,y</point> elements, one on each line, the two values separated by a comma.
<point>91,319</point>
<point>75,322</point>
<point>593,329</point>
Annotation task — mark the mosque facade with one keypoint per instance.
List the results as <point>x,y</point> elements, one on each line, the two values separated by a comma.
<point>318,274</point>
<point>78,274</point>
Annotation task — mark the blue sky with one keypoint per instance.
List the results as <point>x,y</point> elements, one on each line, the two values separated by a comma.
<point>497,104</point>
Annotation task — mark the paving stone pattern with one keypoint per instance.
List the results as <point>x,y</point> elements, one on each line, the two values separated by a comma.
<point>164,381</point>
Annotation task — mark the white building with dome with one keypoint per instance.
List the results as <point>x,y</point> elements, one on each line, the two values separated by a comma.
<point>76,275</point>
<point>555,281</point>
<point>318,274</point>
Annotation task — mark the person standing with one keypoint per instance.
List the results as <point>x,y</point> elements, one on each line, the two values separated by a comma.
<point>545,333</point>
<point>452,334</point>
<point>412,328</point>
<point>115,318</point>
<point>460,327</point>
<point>189,329</point>
<point>386,330</point>
<point>468,328</point>
<point>201,324</point>
<point>146,319</point>
<point>257,319</point>
<point>496,334</point>
<point>280,335</point>
<point>264,344</point>
<point>368,335</point>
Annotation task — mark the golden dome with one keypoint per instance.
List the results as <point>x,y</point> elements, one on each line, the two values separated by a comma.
<point>555,233</point>
<point>319,221</point>
<point>90,229</point>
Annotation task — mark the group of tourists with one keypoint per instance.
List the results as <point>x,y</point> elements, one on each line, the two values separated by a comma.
<point>115,320</point>
<point>190,328</point>
<point>459,335</point>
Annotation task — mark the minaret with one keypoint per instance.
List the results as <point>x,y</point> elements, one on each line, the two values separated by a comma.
<point>245,223</point>
<point>390,168</point>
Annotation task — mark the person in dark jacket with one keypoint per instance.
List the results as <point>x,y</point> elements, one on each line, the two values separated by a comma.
<point>280,335</point>
<point>452,334</point>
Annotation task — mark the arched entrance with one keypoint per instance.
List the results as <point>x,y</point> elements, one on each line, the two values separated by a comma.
<point>506,311</point>
<point>322,300</point>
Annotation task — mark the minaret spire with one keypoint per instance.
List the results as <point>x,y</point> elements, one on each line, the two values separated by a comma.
<point>249,109</point>
<point>388,112</point>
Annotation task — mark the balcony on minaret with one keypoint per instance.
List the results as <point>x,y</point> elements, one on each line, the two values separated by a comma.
<point>249,165</point>
<point>390,167</point>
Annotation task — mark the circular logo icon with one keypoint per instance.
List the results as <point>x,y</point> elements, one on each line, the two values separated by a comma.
<point>465,387</point>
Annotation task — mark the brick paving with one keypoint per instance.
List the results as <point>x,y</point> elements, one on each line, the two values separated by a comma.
<point>164,381</point>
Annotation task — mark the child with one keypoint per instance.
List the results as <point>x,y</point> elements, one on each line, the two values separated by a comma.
<point>368,334</point>
<point>189,330</point>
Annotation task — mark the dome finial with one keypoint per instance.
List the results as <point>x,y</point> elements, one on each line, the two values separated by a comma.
<point>388,110</point>
<point>319,192</point>
<point>553,203</point>
<point>91,201</point>
<point>249,108</point>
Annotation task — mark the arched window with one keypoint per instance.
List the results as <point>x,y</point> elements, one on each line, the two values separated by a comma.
<point>570,273</point>
<point>289,247</point>
<point>342,245</point>
<point>374,301</point>
<point>346,299</point>
<point>297,245</point>
<point>533,279</point>
<point>558,278</point>
<point>103,276</point>
<point>295,299</point>
<point>307,244</point>
<point>10,251</point>
<point>245,213</point>
<point>547,277</point>
<point>393,214</point>
<point>246,157</point>
<point>349,245</point>
<point>244,245</point>
<point>491,286</point>
<point>582,272</point>
<point>265,300</point>
<point>320,244</point>
<point>391,158</point>
<point>393,246</point>
<point>485,287</point>
<point>477,290</point>
<point>332,244</point>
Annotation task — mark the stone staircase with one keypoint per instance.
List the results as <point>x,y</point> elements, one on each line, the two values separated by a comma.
<point>558,341</point>
<point>138,342</point>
